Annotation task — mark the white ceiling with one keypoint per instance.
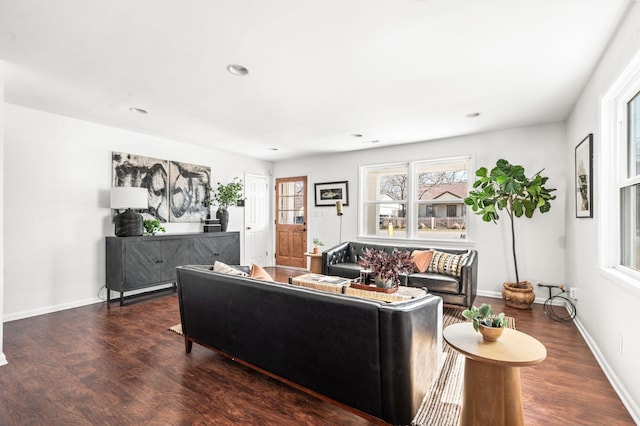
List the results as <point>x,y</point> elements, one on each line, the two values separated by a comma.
<point>396,71</point>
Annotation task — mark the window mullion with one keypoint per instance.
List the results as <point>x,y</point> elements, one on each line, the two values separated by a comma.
<point>411,220</point>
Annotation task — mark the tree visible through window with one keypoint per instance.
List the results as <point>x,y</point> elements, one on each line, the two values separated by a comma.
<point>417,200</point>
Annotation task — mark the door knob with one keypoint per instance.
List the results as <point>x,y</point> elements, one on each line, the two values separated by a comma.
<point>248,227</point>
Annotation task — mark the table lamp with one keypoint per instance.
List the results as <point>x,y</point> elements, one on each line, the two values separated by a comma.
<point>129,223</point>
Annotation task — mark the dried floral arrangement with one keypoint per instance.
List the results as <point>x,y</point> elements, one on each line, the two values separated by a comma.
<point>387,266</point>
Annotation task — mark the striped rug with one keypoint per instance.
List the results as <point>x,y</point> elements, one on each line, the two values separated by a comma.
<point>441,405</point>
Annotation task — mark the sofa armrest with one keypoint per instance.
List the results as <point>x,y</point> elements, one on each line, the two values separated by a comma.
<point>336,254</point>
<point>411,337</point>
<point>469,277</point>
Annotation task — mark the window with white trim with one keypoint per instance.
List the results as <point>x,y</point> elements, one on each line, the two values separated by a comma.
<point>629,188</point>
<point>619,178</point>
<point>420,200</point>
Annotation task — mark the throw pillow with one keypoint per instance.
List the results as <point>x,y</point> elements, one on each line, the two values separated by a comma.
<point>447,263</point>
<point>259,273</point>
<point>421,259</point>
<point>226,269</point>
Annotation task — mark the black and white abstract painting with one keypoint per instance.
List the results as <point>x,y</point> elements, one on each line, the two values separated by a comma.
<point>144,172</point>
<point>188,185</point>
<point>176,190</point>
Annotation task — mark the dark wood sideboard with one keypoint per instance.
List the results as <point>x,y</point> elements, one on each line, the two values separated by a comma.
<point>135,263</point>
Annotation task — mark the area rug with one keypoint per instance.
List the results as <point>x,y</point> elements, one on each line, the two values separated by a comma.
<point>441,405</point>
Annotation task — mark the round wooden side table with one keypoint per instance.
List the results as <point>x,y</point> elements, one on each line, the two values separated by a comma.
<point>491,391</point>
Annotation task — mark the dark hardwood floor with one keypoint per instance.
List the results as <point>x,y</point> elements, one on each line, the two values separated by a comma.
<point>115,365</point>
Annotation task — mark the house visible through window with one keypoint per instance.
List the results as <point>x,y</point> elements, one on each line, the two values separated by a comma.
<point>415,200</point>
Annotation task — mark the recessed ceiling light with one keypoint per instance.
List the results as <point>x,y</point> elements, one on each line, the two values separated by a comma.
<point>473,115</point>
<point>237,69</point>
<point>374,141</point>
<point>138,110</point>
<point>273,149</point>
<point>356,135</point>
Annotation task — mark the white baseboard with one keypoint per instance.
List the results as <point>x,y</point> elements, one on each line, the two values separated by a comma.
<point>3,359</point>
<point>624,396</point>
<point>498,295</point>
<point>50,309</point>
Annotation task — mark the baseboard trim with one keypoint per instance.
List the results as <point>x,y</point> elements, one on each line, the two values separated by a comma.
<point>50,309</point>
<point>618,387</point>
<point>3,359</point>
<point>498,295</point>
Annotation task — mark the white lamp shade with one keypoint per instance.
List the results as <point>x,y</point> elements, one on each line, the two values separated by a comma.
<point>129,197</point>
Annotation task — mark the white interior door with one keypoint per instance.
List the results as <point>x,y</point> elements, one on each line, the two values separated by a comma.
<point>256,220</point>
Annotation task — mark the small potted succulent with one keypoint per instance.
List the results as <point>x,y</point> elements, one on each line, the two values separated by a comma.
<point>486,322</point>
<point>317,243</point>
<point>387,266</point>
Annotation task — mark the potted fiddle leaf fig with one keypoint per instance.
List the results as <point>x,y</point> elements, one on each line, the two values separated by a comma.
<point>506,187</point>
<point>226,195</point>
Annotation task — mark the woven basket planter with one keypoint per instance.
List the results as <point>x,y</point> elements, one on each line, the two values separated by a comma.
<point>520,298</point>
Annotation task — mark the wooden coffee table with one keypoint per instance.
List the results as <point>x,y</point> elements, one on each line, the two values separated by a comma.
<point>491,392</point>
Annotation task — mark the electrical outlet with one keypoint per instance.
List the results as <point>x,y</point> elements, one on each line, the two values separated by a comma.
<point>620,346</point>
<point>573,293</point>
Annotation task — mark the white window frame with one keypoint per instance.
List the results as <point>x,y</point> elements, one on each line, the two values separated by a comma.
<point>412,203</point>
<point>613,167</point>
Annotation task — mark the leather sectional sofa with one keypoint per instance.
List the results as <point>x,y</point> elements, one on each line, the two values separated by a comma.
<point>342,260</point>
<point>378,358</point>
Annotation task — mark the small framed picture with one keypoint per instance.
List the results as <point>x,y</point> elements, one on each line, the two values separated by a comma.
<point>328,193</point>
<point>584,177</point>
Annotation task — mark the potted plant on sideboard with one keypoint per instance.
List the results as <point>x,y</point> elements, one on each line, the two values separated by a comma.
<point>153,226</point>
<point>506,187</point>
<point>226,195</point>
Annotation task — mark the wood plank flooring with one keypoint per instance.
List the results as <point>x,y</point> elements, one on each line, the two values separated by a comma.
<point>111,365</point>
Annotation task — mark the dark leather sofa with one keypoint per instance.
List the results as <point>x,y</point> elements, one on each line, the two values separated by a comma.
<point>379,358</point>
<point>342,259</point>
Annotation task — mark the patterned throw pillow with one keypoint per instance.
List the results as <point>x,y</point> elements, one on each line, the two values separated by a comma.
<point>447,263</point>
<point>226,269</point>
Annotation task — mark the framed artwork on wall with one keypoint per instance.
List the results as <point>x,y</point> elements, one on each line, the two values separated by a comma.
<point>176,190</point>
<point>584,177</point>
<point>144,172</point>
<point>328,193</point>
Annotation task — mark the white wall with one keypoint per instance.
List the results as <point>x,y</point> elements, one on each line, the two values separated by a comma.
<point>57,179</point>
<point>3,359</point>
<point>606,308</point>
<point>540,241</point>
